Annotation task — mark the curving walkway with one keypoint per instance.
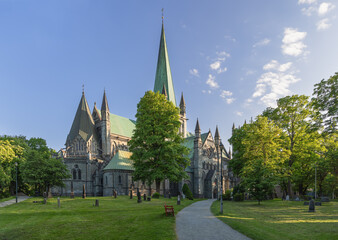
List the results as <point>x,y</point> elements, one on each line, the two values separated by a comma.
<point>198,223</point>
<point>12,201</point>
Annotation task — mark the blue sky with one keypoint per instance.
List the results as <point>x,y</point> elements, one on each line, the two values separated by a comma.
<point>231,59</point>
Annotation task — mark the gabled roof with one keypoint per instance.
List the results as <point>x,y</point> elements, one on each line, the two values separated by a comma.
<point>163,73</point>
<point>189,143</point>
<point>83,124</point>
<point>121,161</point>
<point>121,125</point>
<point>204,137</point>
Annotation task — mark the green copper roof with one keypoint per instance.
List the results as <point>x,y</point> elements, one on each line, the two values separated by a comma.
<point>121,125</point>
<point>121,161</point>
<point>163,72</point>
<point>83,123</point>
<point>204,137</point>
<point>189,143</point>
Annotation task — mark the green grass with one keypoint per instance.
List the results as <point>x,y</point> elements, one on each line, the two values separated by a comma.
<point>6,199</point>
<point>119,218</point>
<point>276,219</point>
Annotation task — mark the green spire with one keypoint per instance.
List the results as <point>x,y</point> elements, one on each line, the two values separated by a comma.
<point>163,73</point>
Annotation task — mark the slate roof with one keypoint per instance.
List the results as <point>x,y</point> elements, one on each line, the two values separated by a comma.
<point>83,123</point>
<point>121,125</point>
<point>121,161</point>
<point>163,72</point>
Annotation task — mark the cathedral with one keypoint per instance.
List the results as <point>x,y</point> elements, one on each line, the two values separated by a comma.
<point>98,157</point>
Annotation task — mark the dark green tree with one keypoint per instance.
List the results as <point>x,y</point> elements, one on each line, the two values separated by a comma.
<point>40,169</point>
<point>158,152</point>
<point>238,160</point>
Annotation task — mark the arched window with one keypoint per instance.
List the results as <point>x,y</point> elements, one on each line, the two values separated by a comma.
<point>79,173</point>
<point>120,179</point>
<point>106,180</point>
<point>203,165</point>
<point>74,174</point>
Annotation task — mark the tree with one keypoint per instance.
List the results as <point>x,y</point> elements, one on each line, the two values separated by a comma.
<point>8,155</point>
<point>238,160</point>
<point>156,144</point>
<point>295,115</point>
<point>40,169</point>
<point>265,157</point>
<point>326,101</point>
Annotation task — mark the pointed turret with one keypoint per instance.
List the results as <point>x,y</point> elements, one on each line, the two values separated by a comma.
<point>245,122</point>
<point>96,114</point>
<point>83,124</point>
<point>217,138</point>
<point>233,126</point>
<point>163,72</point>
<point>104,106</point>
<point>182,105</point>
<point>105,127</point>
<point>197,128</point>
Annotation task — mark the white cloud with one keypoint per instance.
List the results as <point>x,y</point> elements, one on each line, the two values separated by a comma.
<point>274,83</point>
<point>309,11</point>
<point>194,72</point>
<point>284,67</point>
<point>211,82</point>
<point>324,8</point>
<point>215,65</point>
<point>249,100</point>
<point>229,100</point>
<point>225,94</point>
<point>220,70</point>
<point>273,64</point>
<point>250,72</point>
<point>262,42</point>
<point>292,42</point>
<point>323,24</point>
<point>306,1</point>
<point>239,113</point>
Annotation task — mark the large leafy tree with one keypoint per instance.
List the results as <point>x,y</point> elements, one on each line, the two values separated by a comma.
<point>156,144</point>
<point>265,157</point>
<point>326,101</point>
<point>40,169</point>
<point>295,115</point>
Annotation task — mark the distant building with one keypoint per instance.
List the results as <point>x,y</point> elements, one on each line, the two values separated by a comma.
<point>98,157</point>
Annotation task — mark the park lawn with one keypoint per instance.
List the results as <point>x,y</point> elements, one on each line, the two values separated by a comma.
<point>276,219</point>
<point>6,199</point>
<point>120,218</point>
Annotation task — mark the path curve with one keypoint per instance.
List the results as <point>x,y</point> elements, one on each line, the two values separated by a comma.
<point>198,223</point>
<point>12,201</point>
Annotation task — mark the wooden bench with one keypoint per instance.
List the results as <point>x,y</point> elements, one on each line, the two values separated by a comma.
<point>169,210</point>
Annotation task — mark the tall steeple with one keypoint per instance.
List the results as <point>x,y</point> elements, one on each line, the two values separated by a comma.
<point>163,77</point>
<point>83,124</point>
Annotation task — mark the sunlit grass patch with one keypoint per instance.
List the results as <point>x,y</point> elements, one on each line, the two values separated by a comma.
<point>278,219</point>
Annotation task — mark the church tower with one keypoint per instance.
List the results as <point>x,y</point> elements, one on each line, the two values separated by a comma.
<point>105,127</point>
<point>163,79</point>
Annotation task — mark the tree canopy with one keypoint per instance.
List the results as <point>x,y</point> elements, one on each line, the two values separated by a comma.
<point>156,144</point>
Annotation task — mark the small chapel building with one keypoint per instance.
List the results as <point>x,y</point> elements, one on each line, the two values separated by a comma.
<point>98,157</point>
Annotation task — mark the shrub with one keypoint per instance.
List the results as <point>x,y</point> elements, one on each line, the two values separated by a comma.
<point>187,192</point>
<point>239,197</point>
<point>227,195</point>
<point>156,195</point>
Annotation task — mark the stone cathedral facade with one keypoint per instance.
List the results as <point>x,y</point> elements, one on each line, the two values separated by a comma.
<point>98,157</point>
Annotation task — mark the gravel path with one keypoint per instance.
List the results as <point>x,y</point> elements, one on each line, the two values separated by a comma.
<point>196,222</point>
<point>12,201</point>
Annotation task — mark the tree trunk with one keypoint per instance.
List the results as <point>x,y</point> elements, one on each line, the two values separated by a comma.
<point>158,185</point>
<point>290,193</point>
